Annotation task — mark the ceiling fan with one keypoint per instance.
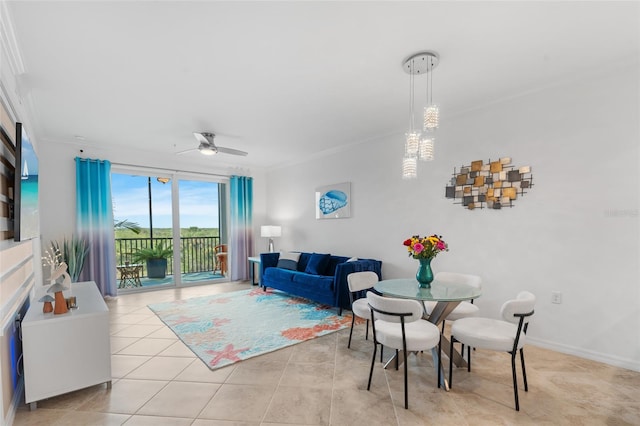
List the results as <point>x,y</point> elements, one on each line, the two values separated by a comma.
<point>207,147</point>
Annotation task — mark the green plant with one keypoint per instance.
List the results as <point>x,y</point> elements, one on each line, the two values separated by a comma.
<point>150,253</point>
<point>73,252</point>
<point>126,224</point>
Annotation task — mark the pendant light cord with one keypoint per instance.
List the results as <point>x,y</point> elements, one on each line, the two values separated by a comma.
<point>430,89</point>
<point>411,96</point>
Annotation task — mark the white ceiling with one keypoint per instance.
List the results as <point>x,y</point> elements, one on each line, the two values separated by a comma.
<point>286,80</point>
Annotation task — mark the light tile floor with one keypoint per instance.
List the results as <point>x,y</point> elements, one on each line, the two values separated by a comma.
<point>157,380</point>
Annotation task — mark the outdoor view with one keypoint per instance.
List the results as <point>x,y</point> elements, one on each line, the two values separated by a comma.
<point>144,223</point>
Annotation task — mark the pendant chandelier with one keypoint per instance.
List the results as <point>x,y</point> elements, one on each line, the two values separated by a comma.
<point>419,145</point>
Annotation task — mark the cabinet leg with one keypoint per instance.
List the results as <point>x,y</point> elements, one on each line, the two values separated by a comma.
<point>33,406</point>
<point>109,384</point>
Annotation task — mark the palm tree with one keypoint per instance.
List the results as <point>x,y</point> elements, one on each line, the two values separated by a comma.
<point>126,224</point>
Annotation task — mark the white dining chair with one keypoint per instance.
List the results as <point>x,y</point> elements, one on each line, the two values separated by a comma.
<point>464,309</point>
<point>358,283</point>
<point>506,335</point>
<point>398,324</point>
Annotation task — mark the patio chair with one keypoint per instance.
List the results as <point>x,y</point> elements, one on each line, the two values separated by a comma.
<point>221,258</point>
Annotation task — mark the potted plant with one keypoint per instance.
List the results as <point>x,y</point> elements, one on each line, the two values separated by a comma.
<point>72,251</point>
<point>155,258</point>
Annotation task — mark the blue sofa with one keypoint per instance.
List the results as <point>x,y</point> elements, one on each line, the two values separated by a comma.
<point>329,287</point>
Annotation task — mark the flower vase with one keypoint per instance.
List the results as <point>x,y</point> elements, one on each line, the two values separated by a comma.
<point>424,276</point>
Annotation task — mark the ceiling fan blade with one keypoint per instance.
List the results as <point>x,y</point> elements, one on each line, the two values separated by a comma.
<point>201,138</point>
<point>231,151</point>
<point>186,150</point>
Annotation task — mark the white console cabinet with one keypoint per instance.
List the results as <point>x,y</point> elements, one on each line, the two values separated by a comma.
<point>66,352</point>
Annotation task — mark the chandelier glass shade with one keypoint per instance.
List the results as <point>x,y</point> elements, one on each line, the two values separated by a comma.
<point>431,117</point>
<point>425,151</point>
<point>409,167</point>
<point>412,143</point>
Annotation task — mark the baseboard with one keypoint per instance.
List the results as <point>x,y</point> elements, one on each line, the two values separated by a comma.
<point>629,364</point>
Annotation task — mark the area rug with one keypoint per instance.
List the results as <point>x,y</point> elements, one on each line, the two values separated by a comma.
<point>226,328</point>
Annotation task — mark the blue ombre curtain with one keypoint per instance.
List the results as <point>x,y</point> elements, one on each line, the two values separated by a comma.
<point>94,223</point>
<point>241,209</point>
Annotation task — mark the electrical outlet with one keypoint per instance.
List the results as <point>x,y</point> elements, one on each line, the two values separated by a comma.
<point>556,297</point>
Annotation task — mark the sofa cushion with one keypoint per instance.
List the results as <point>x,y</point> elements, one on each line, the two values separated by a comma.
<point>317,264</point>
<point>313,282</point>
<point>279,274</point>
<point>288,260</point>
<point>333,263</point>
<point>302,262</point>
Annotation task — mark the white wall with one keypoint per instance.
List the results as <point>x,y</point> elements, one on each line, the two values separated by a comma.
<point>576,231</point>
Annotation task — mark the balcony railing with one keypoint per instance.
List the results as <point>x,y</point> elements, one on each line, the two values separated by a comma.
<point>197,253</point>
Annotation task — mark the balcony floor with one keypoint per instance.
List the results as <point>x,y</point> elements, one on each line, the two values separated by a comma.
<point>190,278</point>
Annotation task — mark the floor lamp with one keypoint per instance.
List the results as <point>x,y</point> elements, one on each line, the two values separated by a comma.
<point>270,231</point>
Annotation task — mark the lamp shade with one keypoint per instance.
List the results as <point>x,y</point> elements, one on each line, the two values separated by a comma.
<point>270,231</point>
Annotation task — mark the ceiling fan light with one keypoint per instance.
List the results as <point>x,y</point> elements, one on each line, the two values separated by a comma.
<point>206,149</point>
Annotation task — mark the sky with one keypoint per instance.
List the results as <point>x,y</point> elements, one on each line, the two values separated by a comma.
<point>28,154</point>
<point>198,201</point>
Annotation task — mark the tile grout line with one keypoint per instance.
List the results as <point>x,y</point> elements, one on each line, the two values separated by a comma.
<point>273,395</point>
<point>333,379</point>
<point>395,409</point>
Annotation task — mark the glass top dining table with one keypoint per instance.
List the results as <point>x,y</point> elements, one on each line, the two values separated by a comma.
<point>407,288</point>
<point>447,296</point>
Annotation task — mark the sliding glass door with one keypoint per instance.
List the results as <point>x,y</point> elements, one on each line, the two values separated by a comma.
<point>169,230</point>
<point>202,237</point>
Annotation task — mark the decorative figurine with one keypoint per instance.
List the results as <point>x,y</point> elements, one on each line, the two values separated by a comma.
<point>61,302</point>
<point>48,307</point>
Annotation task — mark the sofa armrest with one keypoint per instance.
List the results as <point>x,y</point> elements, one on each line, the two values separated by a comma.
<point>346,268</point>
<point>268,260</point>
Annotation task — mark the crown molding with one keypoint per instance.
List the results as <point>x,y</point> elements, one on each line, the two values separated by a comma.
<point>9,42</point>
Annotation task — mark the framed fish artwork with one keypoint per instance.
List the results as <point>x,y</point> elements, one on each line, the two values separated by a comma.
<point>333,201</point>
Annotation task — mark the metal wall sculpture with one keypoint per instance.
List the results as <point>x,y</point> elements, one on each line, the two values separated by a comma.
<point>494,184</point>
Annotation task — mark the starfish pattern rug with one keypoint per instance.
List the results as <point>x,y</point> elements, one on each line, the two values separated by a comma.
<point>226,328</point>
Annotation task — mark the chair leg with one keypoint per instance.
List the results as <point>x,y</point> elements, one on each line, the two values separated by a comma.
<point>381,352</point>
<point>397,360</point>
<point>440,360</point>
<point>406,382</point>
<point>366,335</point>
<point>515,379</point>
<point>524,370</point>
<point>353,320</point>
<point>451,362</point>
<point>373,359</point>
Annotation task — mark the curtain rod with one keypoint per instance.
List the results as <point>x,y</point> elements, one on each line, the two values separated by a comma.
<point>168,170</point>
